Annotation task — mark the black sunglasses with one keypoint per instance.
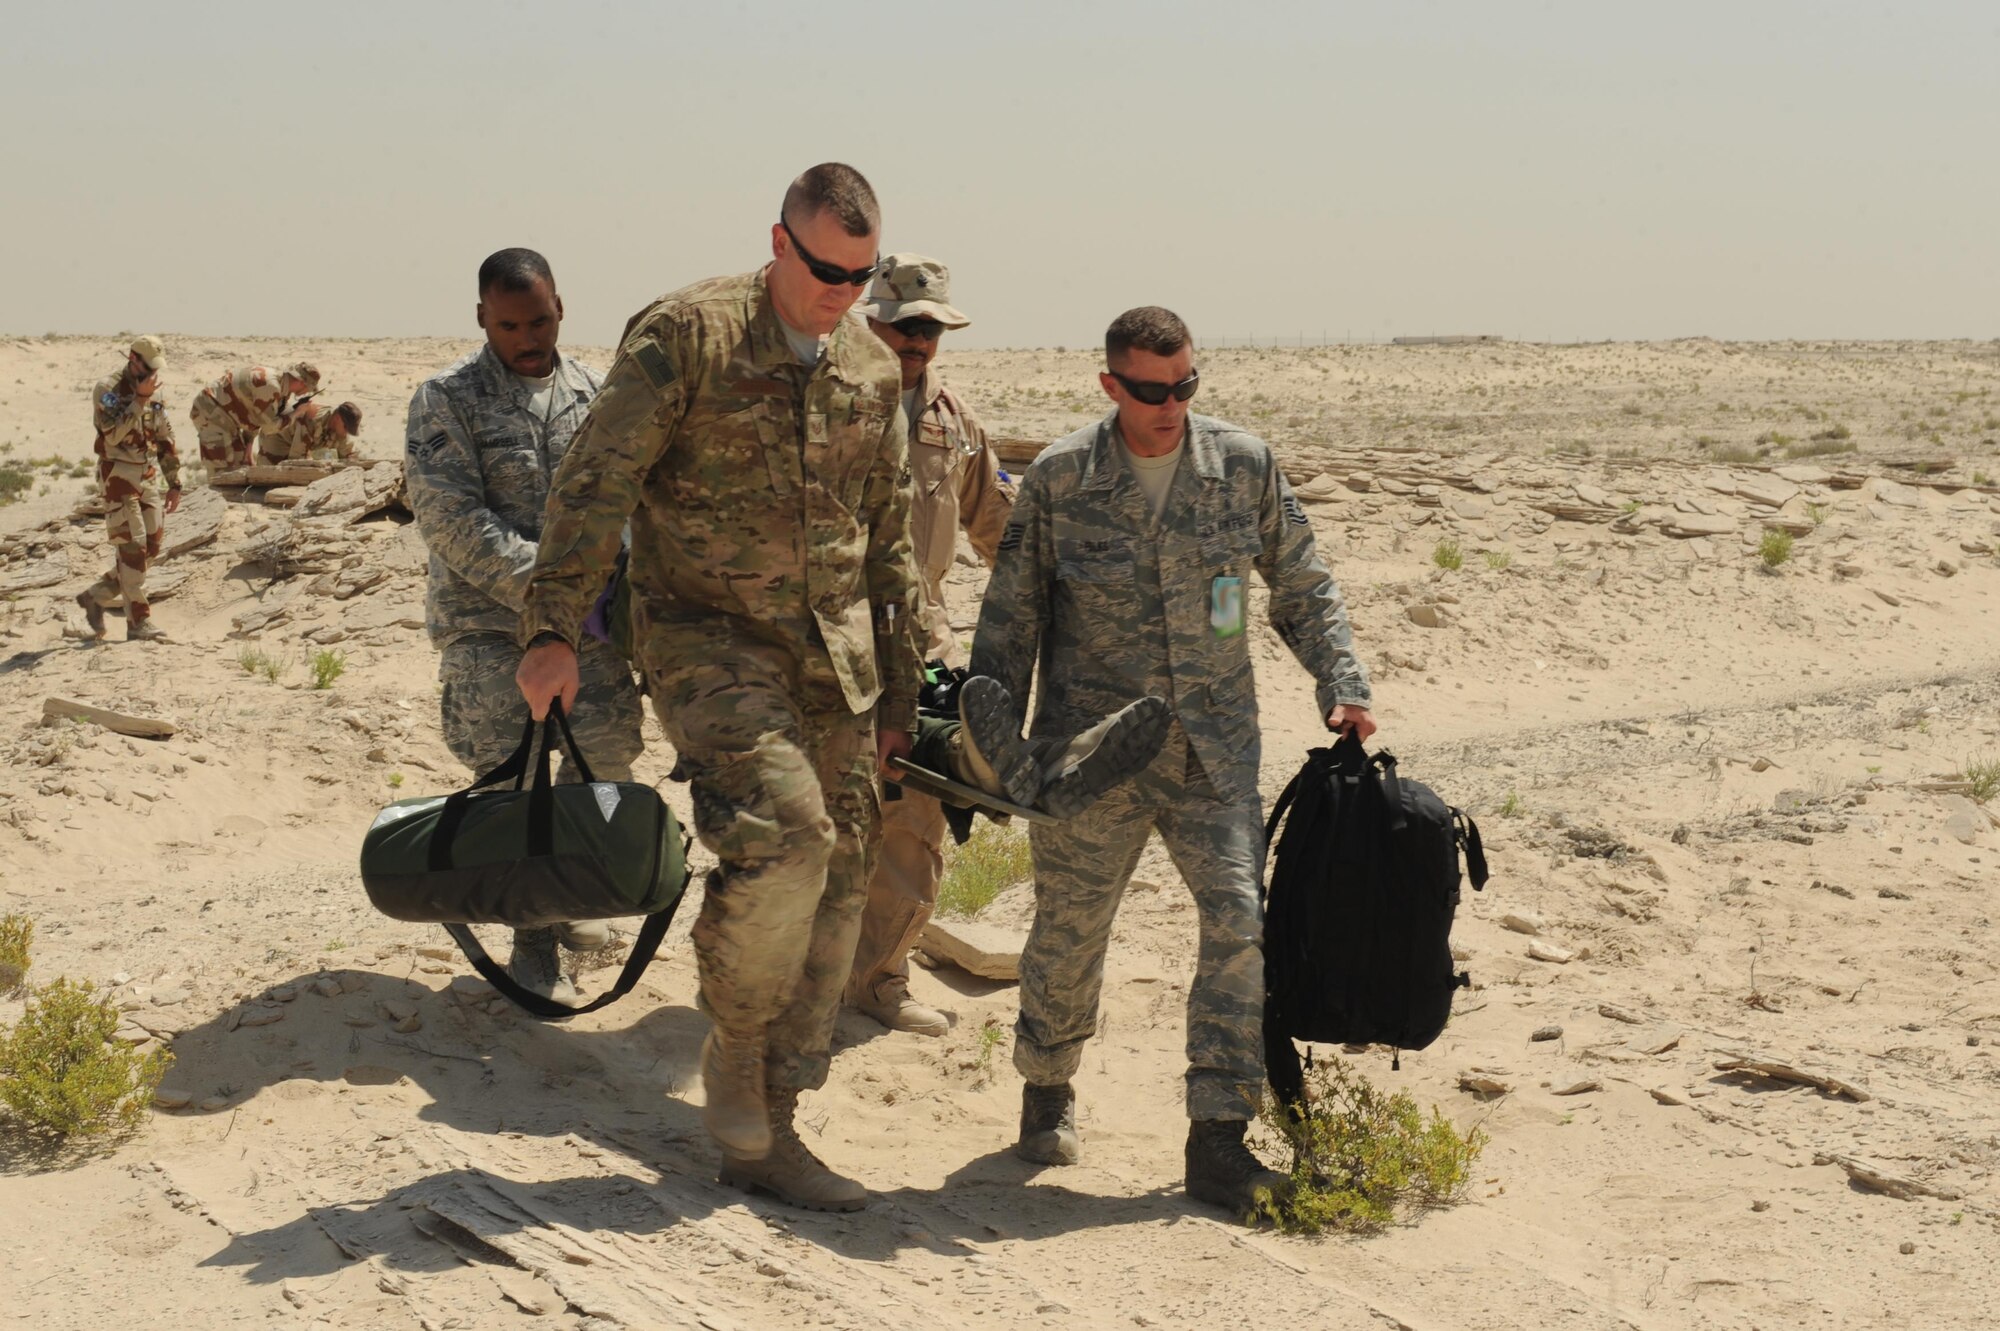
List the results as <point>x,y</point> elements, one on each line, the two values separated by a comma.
<point>1153,394</point>
<point>926,330</point>
<point>825,272</point>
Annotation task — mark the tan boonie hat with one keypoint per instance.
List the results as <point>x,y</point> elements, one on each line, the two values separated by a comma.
<point>150,350</point>
<point>307,371</point>
<point>912,287</point>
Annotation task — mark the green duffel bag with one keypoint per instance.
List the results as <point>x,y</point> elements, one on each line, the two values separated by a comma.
<point>536,855</point>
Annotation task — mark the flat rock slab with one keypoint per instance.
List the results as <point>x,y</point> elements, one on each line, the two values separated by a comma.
<point>29,574</point>
<point>1698,524</point>
<point>985,950</point>
<point>195,523</point>
<point>144,727</point>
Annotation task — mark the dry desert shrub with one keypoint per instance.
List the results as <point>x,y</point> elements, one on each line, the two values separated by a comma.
<point>995,858</point>
<point>62,1073</point>
<point>16,932</point>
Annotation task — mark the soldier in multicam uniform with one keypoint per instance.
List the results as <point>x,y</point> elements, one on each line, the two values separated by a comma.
<point>1124,565</point>
<point>485,438</point>
<point>311,431</point>
<point>135,446</point>
<point>230,413</point>
<point>749,430</point>
<point>956,483</point>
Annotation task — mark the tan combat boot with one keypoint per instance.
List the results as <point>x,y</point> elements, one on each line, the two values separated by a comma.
<point>537,967</point>
<point>586,935</point>
<point>891,1004</point>
<point>791,1173</point>
<point>1060,777</point>
<point>93,613</point>
<point>142,629</point>
<point>735,1112</point>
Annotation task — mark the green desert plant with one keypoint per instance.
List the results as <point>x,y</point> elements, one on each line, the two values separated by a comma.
<point>257,661</point>
<point>16,932</point>
<point>995,857</point>
<point>61,1071</point>
<point>327,666</point>
<point>1447,554</point>
<point>1511,807</point>
<point>1982,774</point>
<point>1359,1154</point>
<point>1499,559</point>
<point>1775,548</point>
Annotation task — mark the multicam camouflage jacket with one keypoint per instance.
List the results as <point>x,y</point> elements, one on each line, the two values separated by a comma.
<point>769,500</point>
<point>252,399</point>
<point>478,463</point>
<point>1114,606</point>
<point>957,483</point>
<point>133,435</point>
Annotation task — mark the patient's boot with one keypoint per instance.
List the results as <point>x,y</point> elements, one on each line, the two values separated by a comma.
<point>991,754</point>
<point>1066,775</point>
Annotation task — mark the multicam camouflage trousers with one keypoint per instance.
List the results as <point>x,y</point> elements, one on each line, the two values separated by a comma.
<point>1081,868</point>
<point>134,522</point>
<point>783,781</point>
<point>484,712</point>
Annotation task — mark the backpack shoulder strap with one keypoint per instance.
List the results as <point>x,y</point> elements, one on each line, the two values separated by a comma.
<point>1475,850</point>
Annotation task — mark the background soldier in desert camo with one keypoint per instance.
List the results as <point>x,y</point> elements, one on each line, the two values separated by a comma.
<point>1124,566</point>
<point>312,431</point>
<point>230,413</point>
<point>956,483</point>
<point>485,438</point>
<point>135,447</point>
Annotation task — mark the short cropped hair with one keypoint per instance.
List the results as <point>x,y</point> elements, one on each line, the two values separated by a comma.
<point>1149,328</point>
<point>514,270</point>
<point>350,416</point>
<point>837,188</point>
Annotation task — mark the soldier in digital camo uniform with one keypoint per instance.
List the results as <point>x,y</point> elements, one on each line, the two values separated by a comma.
<point>1124,566</point>
<point>135,446</point>
<point>485,439</point>
<point>956,484</point>
<point>230,413</point>
<point>749,431</point>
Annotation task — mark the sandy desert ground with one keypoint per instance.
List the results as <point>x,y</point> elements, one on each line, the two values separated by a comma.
<point>1728,800</point>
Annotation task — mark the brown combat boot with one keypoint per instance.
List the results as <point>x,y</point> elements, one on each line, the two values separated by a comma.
<point>1048,1125</point>
<point>732,1078</point>
<point>93,613</point>
<point>791,1173</point>
<point>1222,1171</point>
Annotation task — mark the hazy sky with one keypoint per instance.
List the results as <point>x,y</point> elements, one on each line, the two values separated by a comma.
<point>1753,169</point>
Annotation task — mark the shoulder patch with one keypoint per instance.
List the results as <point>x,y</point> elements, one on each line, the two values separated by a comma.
<point>109,401</point>
<point>653,360</point>
<point>423,449</point>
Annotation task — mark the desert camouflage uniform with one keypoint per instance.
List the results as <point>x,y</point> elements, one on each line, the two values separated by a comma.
<point>135,446</point>
<point>956,484</point>
<point>769,504</point>
<point>299,438</point>
<point>478,465</point>
<point>230,413</point>
<point>1116,606</point>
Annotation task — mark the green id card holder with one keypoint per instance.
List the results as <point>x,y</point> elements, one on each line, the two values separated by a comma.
<point>1225,606</point>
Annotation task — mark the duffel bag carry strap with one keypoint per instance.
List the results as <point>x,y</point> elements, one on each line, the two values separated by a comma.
<point>643,948</point>
<point>541,840</point>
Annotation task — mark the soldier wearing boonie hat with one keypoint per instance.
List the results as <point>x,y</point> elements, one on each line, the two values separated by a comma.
<point>231,412</point>
<point>957,485</point>
<point>135,445</point>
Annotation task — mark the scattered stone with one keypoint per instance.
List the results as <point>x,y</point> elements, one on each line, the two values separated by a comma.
<point>1547,1033</point>
<point>1874,1179</point>
<point>397,1009</point>
<point>261,1016</point>
<point>1541,951</point>
<point>1760,1206</point>
<point>326,986</point>
<point>1773,1069</point>
<point>140,727</point>
<point>1698,524</point>
<point>1523,922</point>
<point>1583,1087</point>
<point>1665,1096</point>
<point>1906,1247</point>
<point>169,1098</point>
<point>470,989</point>
<point>1425,616</point>
<point>1481,1083</point>
<point>214,1104</point>
<point>409,1025</point>
<point>1616,1013</point>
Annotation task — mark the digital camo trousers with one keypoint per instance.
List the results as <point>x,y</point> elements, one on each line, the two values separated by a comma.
<point>484,713</point>
<point>783,783</point>
<point>1081,868</point>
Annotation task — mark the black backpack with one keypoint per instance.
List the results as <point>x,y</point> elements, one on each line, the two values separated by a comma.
<point>1357,916</point>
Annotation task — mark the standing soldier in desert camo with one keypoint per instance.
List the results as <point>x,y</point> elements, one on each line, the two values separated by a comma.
<point>135,447</point>
<point>956,484</point>
<point>230,413</point>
